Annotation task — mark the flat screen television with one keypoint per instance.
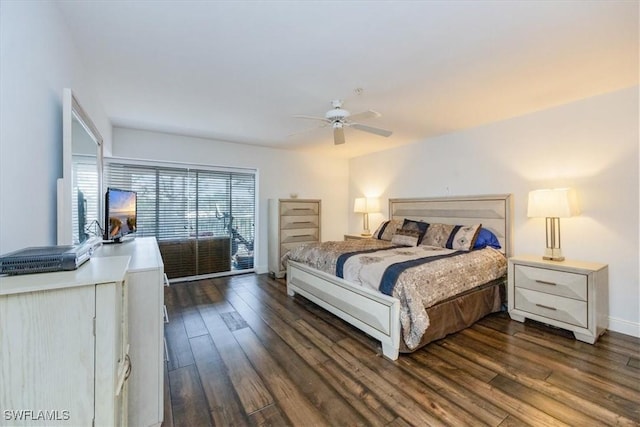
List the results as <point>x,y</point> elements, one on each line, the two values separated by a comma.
<point>121,214</point>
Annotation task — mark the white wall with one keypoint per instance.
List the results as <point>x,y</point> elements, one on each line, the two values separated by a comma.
<point>591,145</point>
<point>37,60</point>
<point>280,173</point>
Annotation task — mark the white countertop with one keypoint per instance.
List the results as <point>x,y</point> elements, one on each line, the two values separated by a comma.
<point>95,271</point>
<point>143,251</point>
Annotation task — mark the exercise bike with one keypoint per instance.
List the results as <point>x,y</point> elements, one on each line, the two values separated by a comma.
<point>244,259</point>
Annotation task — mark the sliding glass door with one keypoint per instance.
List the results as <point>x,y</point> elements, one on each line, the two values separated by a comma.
<point>204,219</point>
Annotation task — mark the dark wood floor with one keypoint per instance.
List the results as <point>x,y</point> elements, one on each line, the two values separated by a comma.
<point>244,353</point>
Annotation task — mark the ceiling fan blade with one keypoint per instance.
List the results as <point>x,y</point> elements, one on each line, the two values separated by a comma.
<point>338,135</point>
<point>369,114</point>
<point>323,125</point>
<point>322,119</point>
<point>381,132</point>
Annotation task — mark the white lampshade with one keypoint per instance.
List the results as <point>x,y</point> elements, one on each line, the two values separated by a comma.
<point>366,205</point>
<point>554,203</point>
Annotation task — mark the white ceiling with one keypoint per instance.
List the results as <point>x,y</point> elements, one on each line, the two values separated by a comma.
<point>238,70</point>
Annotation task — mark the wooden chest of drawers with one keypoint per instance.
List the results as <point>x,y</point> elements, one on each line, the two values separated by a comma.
<point>292,222</point>
<point>571,295</point>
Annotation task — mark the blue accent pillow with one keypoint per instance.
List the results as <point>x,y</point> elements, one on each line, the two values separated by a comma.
<point>486,238</point>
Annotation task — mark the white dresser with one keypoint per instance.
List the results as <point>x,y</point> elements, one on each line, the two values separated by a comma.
<point>572,295</point>
<point>292,222</point>
<point>63,346</point>
<point>146,327</point>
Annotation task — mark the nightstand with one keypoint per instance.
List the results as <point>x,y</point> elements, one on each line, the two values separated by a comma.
<point>355,237</point>
<point>572,295</point>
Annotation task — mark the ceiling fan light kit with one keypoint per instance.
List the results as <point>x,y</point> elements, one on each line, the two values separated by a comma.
<point>338,118</point>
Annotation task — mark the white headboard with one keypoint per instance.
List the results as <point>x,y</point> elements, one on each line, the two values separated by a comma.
<point>492,211</point>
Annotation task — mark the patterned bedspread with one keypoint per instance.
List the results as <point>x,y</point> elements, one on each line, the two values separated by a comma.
<point>418,276</point>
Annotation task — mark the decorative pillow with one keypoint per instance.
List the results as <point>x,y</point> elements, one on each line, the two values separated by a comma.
<point>419,226</point>
<point>486,238</point>
<point>458,237</point>
<point>387,229</point>
<point>406,238</point>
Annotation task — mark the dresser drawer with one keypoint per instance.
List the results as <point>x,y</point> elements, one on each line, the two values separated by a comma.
<point>299,235</point>
<point>567,310</point>
<point>299,208</point>
<point>297,221</point>
<point>286,247</point>
<point>562,283</point>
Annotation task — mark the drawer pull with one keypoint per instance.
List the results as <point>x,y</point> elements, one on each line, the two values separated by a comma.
<point>302,235</point>
<point>547,307</point>
<point>165,315</point>
<point>129,367</point>
<point>124,376</point>
<point>302,222</point>
<point>543,282</point>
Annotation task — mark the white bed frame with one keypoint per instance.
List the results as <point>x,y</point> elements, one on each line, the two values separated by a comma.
<point>378,314</point>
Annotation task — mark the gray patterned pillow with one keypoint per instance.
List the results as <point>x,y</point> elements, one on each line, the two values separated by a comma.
<point>406,238</point>
<point>387,229</point>
<point>458,237</point>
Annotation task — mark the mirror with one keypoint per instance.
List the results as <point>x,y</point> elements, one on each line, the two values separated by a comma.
<point>80,188</point>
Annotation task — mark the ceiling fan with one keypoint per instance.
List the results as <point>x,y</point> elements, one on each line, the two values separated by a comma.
<point>339,118</point>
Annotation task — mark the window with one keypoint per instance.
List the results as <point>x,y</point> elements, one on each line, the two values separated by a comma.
<point>85,196</point>
<point>203,219</point>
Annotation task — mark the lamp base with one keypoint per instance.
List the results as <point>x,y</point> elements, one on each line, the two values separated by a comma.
<point>553,254</point>
<point>366,233</point>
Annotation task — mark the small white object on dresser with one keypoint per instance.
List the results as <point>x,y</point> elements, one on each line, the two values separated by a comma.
<point>292,222</point>
<point>572,295</point>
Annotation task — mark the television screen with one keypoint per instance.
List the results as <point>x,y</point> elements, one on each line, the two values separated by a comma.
<point>121,213</point>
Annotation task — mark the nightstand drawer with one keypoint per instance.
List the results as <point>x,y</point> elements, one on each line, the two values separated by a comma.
<point>562,283</point>
<point>563,309</point>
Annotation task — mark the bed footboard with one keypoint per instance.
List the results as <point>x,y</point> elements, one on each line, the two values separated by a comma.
<point>376,314</point>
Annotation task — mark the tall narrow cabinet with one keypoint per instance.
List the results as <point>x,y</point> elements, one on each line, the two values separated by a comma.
<point>292,222</point>
<point>146,328</point>
<point>63,346</point>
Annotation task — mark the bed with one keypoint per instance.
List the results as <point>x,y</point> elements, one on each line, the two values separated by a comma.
<point>378,314</point>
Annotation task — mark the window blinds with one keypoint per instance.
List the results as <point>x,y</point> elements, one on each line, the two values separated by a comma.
<point>85,195</point>
<point>177,203</point>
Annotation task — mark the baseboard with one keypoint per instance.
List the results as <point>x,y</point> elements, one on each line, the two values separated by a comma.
<point>624,327</point>
<point>261,269</point>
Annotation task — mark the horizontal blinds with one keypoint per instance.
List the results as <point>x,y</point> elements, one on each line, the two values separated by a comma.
<point>179,203</point>
<point>243,209</point>
<point>85,196</point>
